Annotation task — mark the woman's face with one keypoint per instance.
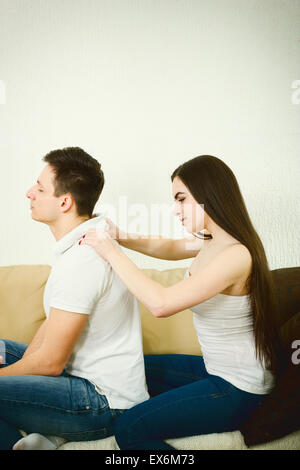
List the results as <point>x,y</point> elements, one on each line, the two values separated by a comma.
<point>189,211</point>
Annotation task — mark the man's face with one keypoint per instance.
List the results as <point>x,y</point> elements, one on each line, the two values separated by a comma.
<point>45,207</point>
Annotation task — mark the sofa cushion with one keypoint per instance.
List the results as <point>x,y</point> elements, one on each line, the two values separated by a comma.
<point>172,335</point>
<point>21,301</point>
<point>290,332</point>
<point>216,441</point>
<point>279,413</point>
<point>287,285</point>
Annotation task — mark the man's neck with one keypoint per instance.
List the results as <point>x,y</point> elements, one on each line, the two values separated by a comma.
<point>61,227</point>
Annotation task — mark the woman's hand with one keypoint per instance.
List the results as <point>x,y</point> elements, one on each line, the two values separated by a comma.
<point>114,230</point>
<point>101,241</point>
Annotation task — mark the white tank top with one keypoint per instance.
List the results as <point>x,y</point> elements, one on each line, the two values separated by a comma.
<point>224,326</point>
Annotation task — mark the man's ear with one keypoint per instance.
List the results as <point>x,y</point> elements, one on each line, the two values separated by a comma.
<point>66,203</point>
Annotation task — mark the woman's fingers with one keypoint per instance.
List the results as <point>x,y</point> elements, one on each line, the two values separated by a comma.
<point>93,236</point>
<point>113,230</point>
<point>100,240</point>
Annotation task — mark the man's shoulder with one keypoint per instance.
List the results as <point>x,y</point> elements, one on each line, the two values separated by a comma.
<point>78,279</point>
<point>80,258</point>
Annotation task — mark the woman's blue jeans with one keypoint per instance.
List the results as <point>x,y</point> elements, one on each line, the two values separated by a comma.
<point>65,406</point>
<point>186,401</point>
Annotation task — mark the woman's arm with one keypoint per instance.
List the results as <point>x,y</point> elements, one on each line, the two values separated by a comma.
<point>155,246</point>
<point>223,271</point>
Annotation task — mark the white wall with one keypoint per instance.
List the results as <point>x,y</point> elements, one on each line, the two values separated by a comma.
<point>144,85</point>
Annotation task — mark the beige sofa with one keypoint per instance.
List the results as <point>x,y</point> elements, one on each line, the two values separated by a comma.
<point>21,314</point>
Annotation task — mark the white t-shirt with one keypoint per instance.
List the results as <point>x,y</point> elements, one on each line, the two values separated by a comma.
<point>109,352</point>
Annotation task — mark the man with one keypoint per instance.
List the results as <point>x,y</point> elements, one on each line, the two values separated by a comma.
<point>85,364</point>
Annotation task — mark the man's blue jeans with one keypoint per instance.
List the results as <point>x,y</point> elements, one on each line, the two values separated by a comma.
<point>65,406</point>
<point>186,401</point>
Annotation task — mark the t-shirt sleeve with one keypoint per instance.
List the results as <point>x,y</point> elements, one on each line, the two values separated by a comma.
<point>78,281</point>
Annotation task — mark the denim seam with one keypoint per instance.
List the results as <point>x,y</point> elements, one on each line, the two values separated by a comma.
<point>12,353</point>
<point>29,403</point>
<point>87,394</point>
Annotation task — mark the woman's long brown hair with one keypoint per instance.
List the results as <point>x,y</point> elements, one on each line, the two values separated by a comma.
<point>213,184</point>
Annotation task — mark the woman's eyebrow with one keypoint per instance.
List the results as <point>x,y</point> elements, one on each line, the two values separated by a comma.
<point>177,194</point>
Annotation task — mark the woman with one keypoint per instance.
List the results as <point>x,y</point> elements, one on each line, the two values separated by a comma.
<point>229,289</point>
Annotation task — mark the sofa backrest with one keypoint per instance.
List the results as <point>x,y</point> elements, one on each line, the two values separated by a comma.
<point>175,334</point>
<point>21,301</point>
<point>22,313</point>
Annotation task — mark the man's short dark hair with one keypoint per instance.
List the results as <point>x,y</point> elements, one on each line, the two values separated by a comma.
<point>79,174</point>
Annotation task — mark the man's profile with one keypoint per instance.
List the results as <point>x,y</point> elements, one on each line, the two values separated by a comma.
<point>85,364</point>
